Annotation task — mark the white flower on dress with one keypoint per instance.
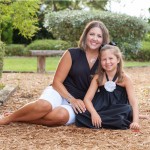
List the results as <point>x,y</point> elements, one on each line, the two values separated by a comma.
<point>110,86</point>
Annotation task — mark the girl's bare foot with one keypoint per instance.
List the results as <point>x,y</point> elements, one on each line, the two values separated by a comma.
<point>144,117</point>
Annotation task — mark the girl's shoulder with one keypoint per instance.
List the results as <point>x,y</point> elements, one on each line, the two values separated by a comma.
<point>126,76</point>
<point>126,79</point>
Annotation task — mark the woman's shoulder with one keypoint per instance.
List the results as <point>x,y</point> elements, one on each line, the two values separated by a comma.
<point>74,50</point>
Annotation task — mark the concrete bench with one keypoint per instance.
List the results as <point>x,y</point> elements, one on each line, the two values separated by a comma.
<point>41,57</point>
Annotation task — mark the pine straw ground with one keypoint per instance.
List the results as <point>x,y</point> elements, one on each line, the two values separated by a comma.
<point>22,136</point>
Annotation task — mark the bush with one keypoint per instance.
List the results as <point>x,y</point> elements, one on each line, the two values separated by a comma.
<point>147,37</point>
<point>48,45</point>
<point>143,54</point>
<point>2,49</point>
<point>69,25</point>
<point>14,50</point>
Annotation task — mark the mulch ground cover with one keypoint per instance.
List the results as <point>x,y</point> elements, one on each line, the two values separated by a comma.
<point>22,136</point>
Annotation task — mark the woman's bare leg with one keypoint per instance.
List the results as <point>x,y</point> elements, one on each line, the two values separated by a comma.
<point>28,112</point>
<point>58,116</point>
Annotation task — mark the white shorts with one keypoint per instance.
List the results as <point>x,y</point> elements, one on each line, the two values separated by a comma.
<point>53,97</point>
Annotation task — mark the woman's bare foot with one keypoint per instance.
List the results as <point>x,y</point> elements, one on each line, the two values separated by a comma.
<point>7,114</point>
<point>4,120</point>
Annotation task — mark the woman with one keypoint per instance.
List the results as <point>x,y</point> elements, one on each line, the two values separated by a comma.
<point>58,103</point>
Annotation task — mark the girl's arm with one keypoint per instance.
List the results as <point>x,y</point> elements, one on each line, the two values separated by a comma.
<point>133,102</point>
<point>59,77</point>
<point>96,120</point>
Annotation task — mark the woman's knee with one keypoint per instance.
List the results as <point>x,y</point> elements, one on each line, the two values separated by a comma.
<point>62,115</point>
<point>43,105</point>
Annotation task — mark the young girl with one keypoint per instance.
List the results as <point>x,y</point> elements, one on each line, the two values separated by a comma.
<point>110,99</point>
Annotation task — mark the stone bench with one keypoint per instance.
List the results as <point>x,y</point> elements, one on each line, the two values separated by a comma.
<point>41,57</point>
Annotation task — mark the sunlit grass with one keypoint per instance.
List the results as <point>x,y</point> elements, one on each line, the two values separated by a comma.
<point>29,64</point>
<point>136,64</point>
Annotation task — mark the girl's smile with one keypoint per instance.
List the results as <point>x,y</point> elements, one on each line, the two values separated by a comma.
<point>109,61</point>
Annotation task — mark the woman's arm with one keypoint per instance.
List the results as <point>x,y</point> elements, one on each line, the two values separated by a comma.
<point>59,77</point>
<point>133,101</point>
<point>96,120</point>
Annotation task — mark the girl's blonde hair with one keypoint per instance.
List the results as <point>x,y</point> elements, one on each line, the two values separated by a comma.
<point>105,33</point>
<point>116,51</point>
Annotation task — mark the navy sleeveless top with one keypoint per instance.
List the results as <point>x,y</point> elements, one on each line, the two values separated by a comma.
<point>80,75</point>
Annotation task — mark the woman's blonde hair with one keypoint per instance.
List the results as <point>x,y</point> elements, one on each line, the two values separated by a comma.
<point>89,26</point>
<point>116,51</point>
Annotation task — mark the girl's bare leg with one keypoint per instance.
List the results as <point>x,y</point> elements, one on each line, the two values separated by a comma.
<point>28,112</point>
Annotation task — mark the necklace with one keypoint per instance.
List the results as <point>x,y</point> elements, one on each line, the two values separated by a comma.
<point>92,60</point>
<point>110,86</point>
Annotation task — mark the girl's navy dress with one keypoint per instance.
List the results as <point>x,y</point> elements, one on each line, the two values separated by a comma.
<point>113,108</point>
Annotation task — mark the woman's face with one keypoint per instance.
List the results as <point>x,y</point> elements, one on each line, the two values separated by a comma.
<point>94,39</point>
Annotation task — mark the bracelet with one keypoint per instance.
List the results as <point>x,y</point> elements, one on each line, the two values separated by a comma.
<point>69,97</point>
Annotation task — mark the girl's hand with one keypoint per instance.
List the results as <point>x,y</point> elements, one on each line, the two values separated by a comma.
<point>134,126</point>
<point>96,120</point>
<point>78,105</point>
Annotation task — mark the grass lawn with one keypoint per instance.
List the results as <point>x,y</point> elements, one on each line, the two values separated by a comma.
<point>136,64</point>
<point>26,64</point>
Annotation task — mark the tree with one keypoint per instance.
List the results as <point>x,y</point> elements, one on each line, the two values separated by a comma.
<point>57,5</point>
<point>21,14</point>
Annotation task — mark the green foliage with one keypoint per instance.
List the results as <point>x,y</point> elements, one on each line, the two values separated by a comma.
<point>124,29</point>
<point>21,50</point>
<point>2,49</point>
<point>57,5</point>
<point>21,14</point>
<point>145,45</point>
<point>96,4</point>
<point>147,37</point>
<point>142,54</point>
<point>14,50</point>
<point>48,45</point>
<point>7,33</point>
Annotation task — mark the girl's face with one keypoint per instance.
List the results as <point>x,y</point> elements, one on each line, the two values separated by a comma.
<point>109,61</point>
<point>94,39</point>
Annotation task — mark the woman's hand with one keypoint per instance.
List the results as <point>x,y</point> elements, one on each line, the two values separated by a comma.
<point>134,126</point>
<point>77,105</point>
<point>96,120</point>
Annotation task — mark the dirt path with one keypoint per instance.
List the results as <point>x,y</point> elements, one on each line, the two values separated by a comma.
<point>21,136</point>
